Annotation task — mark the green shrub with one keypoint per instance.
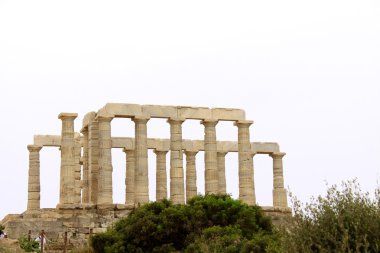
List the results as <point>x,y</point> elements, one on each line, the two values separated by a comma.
<point>212,222</point>
<point>28,246</point>
<point>346,220</point>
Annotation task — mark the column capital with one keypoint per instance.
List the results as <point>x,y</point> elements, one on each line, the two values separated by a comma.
<point>140,119</point>
<point>175,120</point>
<point>125,150</point>
<point>102,118</point>
<point>221,153</point>
<point>160,151</point>
<point>191,152</point>
<point>209,122</point>
<point>67,115</point>
<point>34,148</point>
<point>278,155</point>
<point>243,123</point>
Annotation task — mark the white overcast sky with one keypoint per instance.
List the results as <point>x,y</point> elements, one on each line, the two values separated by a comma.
<point>307,73</point>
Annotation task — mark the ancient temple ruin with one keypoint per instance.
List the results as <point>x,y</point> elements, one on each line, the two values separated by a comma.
<point>86,165</point>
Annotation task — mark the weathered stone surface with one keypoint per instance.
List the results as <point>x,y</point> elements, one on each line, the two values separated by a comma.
<point>86,205</point>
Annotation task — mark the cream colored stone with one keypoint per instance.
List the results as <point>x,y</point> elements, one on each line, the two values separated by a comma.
<point>85,164</point>
<point>88,118</point>
<point>227,114</point>
<point>67,192</point>
<point>105,161</point>
<point>246,181</point>
<point>279,192</point>
<point>161,178</point>
<point>191,174</point>
<point>221,172</point>
<point>177,194</point>
<point>155,143</point>
<point>130,176</point>
<point>211,166</point>
<point>159,111</point>
<point>141,160</point>
<point>93,160</point>
<point>187,112</point>
<point>34,178</point>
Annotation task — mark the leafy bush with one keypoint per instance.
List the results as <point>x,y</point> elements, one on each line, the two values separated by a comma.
<point>346,220</point>
<point>28,246</point>
<point>218,223</point>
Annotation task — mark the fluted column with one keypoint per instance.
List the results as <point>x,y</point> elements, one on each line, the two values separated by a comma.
<point>161,179</point>
<point>246,183</point>
<point>130,176</point>
<point>105,161</point>
<point>191,174</point>
<point>78,168</point>
<point>85,185</point>
<point>67,178</point>
<point>34,187</point>
<point>211,166</point>
<point>176,162</point>
<point>141,156</point>
<point>279,192</point>
<point>93,160</point>
<point>222,172</point>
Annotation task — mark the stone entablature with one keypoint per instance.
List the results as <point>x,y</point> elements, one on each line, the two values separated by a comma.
<point>86,158</point>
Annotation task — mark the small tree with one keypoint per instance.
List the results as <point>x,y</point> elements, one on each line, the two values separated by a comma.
<point>346,220</point>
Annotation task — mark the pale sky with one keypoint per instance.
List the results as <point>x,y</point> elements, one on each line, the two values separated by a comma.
<point>307,73</point>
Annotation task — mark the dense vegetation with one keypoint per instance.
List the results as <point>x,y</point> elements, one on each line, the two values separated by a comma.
<point>346,220</point>
<point>207,224</point>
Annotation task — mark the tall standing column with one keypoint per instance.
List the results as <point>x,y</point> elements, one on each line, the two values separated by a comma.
<point>34,178</point>
<point>93,160</point>
<point>211,166</point>
<point>105,161</point>
<point>222,172</point>
<point>177,192</point>
<point>85,192</point>
<point>246,183</point>
<point>130,176</point>
<point>78,169</point>
<point>191,174</point>
<point>279,192</point>
<point>141,156</point>
<point>161,179</point>
<point>67,193</point>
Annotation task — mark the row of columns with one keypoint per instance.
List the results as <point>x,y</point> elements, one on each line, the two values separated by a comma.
<point>97,165</point>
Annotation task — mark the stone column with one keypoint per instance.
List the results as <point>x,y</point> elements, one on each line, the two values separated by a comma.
<point>78,169</point>
<point>130,176</point>
<point>141,163</point>
<point>67,188</point>
<point>85,185</point>
<point>191,174</point>
<point>176,162</point>
<point>105,161</point>
<point>246,183</point>
<point>211,166</point>
<point>93,160</point>
<point>34,178</point>
<point>279,192</point>
<point>161,179</point>
<point>222,172</point>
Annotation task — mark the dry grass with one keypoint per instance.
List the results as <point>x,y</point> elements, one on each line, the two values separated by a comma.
<point>10,246</point>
